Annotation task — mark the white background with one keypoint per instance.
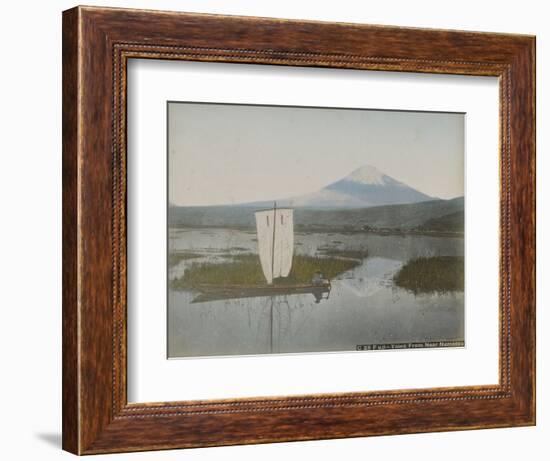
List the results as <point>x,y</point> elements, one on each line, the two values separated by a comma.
<point>30,243</point>
<point>153,378</point>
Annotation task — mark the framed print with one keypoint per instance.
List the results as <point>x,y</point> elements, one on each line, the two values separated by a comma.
<point>284,230</point>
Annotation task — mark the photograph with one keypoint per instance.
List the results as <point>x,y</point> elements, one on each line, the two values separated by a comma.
<point>313,229</point>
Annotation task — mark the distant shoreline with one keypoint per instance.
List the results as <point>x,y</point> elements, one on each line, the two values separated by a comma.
<point>335,230</point>
<point>440,218</point>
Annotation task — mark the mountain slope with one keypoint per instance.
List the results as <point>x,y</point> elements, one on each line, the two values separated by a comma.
<point>365,187</point>
<point>373,188</point>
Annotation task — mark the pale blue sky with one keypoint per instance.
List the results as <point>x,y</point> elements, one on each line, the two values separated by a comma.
<point>222,154</point>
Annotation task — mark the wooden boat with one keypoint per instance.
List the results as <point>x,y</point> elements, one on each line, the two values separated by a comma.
<point>216,293</point>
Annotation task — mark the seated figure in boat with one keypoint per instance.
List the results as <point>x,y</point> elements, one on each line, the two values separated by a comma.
<point>322,284</point>
<point>319,280</point>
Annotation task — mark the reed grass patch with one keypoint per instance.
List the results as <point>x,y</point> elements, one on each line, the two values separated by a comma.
<point>438,274</point>
<point>245,269</point>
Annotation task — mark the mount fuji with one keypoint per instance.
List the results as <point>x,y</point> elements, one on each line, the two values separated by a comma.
<point>365,197</point>
<point>364,187</point>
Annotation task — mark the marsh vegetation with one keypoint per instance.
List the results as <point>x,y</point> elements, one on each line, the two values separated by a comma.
<point>245,270</point>
<point>438,274</point>
<point>174,258</point>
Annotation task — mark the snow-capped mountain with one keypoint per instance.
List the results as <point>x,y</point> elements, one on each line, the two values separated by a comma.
<point>365,187</point>
<point>369,175</point>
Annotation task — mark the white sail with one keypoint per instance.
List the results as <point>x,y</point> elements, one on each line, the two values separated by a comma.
<point>275,230</point>
<point>284,242</point>
<point>264,229</point>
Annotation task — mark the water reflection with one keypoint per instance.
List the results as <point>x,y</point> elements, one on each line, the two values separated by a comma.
<point>364,305</point>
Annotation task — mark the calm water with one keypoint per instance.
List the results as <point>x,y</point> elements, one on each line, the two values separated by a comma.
<point>364,306</point>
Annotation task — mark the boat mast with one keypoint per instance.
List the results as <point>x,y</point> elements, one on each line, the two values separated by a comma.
<point>273,267</point>
<point>273,246</point>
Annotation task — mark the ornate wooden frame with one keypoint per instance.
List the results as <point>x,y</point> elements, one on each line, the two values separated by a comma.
<point>97,43</point>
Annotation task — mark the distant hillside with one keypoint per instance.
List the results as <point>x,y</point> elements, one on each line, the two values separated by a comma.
<point>453,222</point>
<point>406,216</point>
<point>444,215</point>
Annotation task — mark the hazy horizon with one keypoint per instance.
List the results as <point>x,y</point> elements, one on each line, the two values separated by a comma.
<point>229,154</point>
